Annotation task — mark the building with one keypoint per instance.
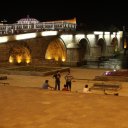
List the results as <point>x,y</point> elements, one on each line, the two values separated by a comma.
<point>28,24</point>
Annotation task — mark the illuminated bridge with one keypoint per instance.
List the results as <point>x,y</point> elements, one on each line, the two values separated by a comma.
<point>61,46</point>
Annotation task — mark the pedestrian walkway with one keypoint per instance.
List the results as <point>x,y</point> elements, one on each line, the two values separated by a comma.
<point>23,104</point>
<point>82,76</point>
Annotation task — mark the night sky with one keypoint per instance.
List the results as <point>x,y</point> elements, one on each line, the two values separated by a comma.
<point>91,14</point>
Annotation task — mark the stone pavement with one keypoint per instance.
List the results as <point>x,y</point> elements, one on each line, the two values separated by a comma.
<point>82,76</point>
<point>23,104</point>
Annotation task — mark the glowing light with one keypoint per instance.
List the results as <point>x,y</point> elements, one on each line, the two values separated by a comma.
<point>106,36</point>
<point>106,33</point>
<point>63,59</point>
<point>28,60</point>
<point>25,36</point>
<point>125,44</point>
<point>118,36</point>
<point>107,73</point>
<point>80,36</point>
<point>11,59</point>
<point>112,35</point>
<point>90,36</point>
<point>49,33</point>
<point>114,70</point>
<point>49,57</point>
<point>100,36</point>
<point>56,58</point>
<point>98,33</point>
<point>3,39</point>
<point>120,33</point>
<point>19,59</point>
<point>66,36</point>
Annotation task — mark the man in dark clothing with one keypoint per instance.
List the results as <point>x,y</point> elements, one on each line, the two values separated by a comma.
<point>57,76</point>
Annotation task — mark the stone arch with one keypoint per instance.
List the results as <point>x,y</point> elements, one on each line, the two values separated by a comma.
<point>56,50</point>
<point>114,43</point>
<point>101,43</point>
<point>84,49</point>
<point>19,54</point>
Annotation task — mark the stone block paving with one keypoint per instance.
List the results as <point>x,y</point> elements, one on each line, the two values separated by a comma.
<point>23,104</point>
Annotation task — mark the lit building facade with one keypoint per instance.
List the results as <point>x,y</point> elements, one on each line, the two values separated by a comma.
<point>32,25</point>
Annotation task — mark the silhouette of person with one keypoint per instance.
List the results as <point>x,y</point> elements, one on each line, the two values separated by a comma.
<point>86,89</point>
<point>57,77</point>
<point>68,79</point>
<point>46,85</point>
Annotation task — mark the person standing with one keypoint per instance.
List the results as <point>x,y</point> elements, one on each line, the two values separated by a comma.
<point>57,77</point>
<point>68,79</point>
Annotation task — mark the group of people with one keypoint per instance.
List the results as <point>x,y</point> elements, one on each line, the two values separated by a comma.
<point>68,83</point>
<point>57,76</point>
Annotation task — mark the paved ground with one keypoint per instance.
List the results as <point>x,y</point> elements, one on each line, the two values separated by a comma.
<point>23,104</point>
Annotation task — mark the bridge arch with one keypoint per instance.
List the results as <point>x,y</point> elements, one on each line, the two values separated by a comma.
<point>70,47</point>
<point>56,50</point>
<point>19,54</point>
<point>114,43</point>
<point>102,45</point>
<point>84,49</point>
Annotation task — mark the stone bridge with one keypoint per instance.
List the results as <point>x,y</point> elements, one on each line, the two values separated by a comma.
<point>63,48</point>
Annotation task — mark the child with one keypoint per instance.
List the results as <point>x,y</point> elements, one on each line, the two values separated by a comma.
<point>86,89</point>
<point>65,88</point>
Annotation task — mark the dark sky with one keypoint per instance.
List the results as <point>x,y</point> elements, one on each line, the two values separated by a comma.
<point>103,13</point>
